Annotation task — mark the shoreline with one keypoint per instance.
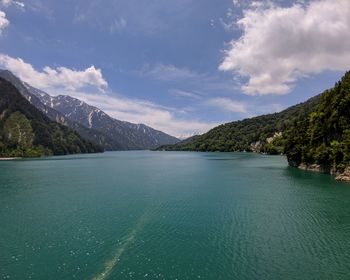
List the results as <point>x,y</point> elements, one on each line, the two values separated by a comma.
<point>338,176</point>
<point>9,158</point>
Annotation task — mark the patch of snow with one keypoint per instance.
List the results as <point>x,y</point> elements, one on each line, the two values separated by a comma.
<point>90,118</point>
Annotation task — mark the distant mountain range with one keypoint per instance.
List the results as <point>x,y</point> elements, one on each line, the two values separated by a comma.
<point>91,122</point>
<point>26,132</point>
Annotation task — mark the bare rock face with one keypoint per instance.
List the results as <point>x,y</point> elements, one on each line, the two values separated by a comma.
<point>315,167</point>
<point>256,146</point>
<point>345,176</point>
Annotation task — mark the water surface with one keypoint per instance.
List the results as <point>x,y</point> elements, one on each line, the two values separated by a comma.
<point>171,215</point>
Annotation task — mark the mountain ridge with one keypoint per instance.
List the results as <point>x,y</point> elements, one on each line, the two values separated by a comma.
<point>255,134</point>
<point>25,131</point>
<point>91,122</point>
<point>54,115</point>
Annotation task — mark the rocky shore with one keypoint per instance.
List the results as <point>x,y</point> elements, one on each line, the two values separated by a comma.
<point>340,176</point>
<point>345,176</point>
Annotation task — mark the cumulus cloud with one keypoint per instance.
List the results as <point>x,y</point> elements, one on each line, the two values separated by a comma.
<point>227,105</point>
<point>63,80</point>
<point>54,78</point>
<point>282,44</point>
<point>4,22</point>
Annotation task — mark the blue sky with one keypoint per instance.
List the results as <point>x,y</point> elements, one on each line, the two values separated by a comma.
<point>180,66</point>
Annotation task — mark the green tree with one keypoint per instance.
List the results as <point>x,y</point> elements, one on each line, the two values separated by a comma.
<point>18,131</point>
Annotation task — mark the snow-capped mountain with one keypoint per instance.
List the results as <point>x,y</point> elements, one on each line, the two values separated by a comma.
<point>129,135</point>
<point>91,122</point>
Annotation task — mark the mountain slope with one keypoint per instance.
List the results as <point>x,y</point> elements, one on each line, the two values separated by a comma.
<point>30,93</point>
<point>91,122</point>
<point>25,131</point>
<point>128,135</point>
<point>322,141</point>
<point>260,134</point>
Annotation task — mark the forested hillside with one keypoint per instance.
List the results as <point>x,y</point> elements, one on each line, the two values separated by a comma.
<point>25,131</point>
<point>314,135</point>
<point>324,137</point>
<point>260,134</point>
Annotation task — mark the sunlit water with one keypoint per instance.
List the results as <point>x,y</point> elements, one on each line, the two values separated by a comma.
<point>171,215</point>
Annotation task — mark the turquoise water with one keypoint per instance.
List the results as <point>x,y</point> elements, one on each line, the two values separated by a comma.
<point>171,215</point>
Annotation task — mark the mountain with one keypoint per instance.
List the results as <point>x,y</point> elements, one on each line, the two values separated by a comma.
<point>25,131</point>
<point>321,141</point>
<point>31,93</point>
<point>258,134</point>
<point>91,122</point>
<point>128,135</point>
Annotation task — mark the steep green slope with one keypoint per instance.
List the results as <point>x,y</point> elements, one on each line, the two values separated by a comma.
<point>31,94</point>
<point>260,134</point>
<point>25,131</point>
<point>324,137</point>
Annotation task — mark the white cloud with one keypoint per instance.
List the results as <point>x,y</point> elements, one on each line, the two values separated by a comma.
<point>196,81</point>
<point>4,22</point>
<point>227,105</point>
<point>228,26</point>
<point>20,4</point>
<point>54,78</point>
<point>185,94</point>
<point>118,25</point>
<point>7,3</point>
<point>229,22</point>
<point>145,18</point>
<point>282,44</point>
<point>169,73</point>
<point>67,81</point>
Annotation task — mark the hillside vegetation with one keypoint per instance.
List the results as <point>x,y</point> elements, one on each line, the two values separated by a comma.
<point>26,132</point>
<point>314,134</point>
<point>259,134</point>
<point>324,137</point>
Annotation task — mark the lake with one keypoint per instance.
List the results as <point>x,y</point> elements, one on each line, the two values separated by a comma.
<point>171,215</point>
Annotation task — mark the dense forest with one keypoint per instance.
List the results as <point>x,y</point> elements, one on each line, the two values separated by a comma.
<point>258,134</point>
<point>26,132</point>
<point>324,137</point>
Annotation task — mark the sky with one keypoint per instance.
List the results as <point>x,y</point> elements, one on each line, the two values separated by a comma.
<point>180,66</point>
